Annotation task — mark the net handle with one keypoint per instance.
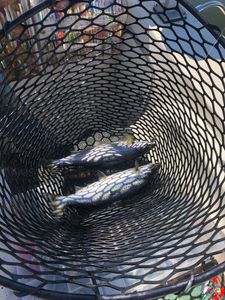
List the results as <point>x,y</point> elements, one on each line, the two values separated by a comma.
<point>172,289</point>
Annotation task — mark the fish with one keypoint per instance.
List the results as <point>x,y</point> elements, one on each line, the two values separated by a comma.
<point>105,156</point>
<point>108,189</point>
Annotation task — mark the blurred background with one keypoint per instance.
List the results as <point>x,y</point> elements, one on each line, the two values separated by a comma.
<point>53,42</point>
<point>213,11</point>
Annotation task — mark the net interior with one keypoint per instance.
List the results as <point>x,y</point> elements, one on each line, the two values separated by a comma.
<point>74,75</point>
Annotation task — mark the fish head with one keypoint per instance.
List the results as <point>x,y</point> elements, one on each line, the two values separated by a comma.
<point>149,169</point>
<point>144,145</point>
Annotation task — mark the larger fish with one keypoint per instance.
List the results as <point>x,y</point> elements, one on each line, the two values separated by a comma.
<point>108,189</point>
<point>106,155</point>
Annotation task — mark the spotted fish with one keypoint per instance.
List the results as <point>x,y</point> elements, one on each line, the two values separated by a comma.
<point>108,189</point>
<point>106,155</point>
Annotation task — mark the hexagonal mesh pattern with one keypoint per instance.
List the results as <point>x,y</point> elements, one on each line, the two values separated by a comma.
<point>86,73</point>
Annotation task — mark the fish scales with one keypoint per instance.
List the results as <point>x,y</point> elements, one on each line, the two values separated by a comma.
<point>105,155</point>
<point>108,189</point>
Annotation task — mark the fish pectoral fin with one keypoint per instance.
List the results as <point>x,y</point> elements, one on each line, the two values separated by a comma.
<point>129,138</point>
<point>136,166</point>
<point>50,165</point>
<point>101,175</point>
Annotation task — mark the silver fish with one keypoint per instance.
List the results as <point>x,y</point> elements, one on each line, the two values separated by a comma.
<point>106,155</point>
<point>108,189</point>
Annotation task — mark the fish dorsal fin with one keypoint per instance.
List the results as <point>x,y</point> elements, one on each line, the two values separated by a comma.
<point>77,188</point>
<point>136,167</point>
<point>129,138</point>
<point>98,143</point>
<point>101,143</point>
<point>101,175</point>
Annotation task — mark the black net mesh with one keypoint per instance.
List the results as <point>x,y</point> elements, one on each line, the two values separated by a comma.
<point>85,73</point>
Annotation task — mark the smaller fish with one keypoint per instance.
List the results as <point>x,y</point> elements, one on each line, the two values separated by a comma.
<point>104,156</point>
<point>108,189</point>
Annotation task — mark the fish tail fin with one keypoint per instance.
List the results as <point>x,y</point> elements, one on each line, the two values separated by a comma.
<point>46,162</point>
<point>57,204</point>
<point>52,167</point>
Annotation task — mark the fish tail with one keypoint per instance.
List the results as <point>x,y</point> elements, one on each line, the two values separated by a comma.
<point>53,168</point>
<point>46,162</point>
<point>57,205</point>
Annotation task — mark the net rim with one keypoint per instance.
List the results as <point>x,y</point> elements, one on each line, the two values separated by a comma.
<point>149,294</point>
<point>219,37</point>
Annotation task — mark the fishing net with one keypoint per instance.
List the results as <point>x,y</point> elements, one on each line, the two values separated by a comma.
<point>77,73</point>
